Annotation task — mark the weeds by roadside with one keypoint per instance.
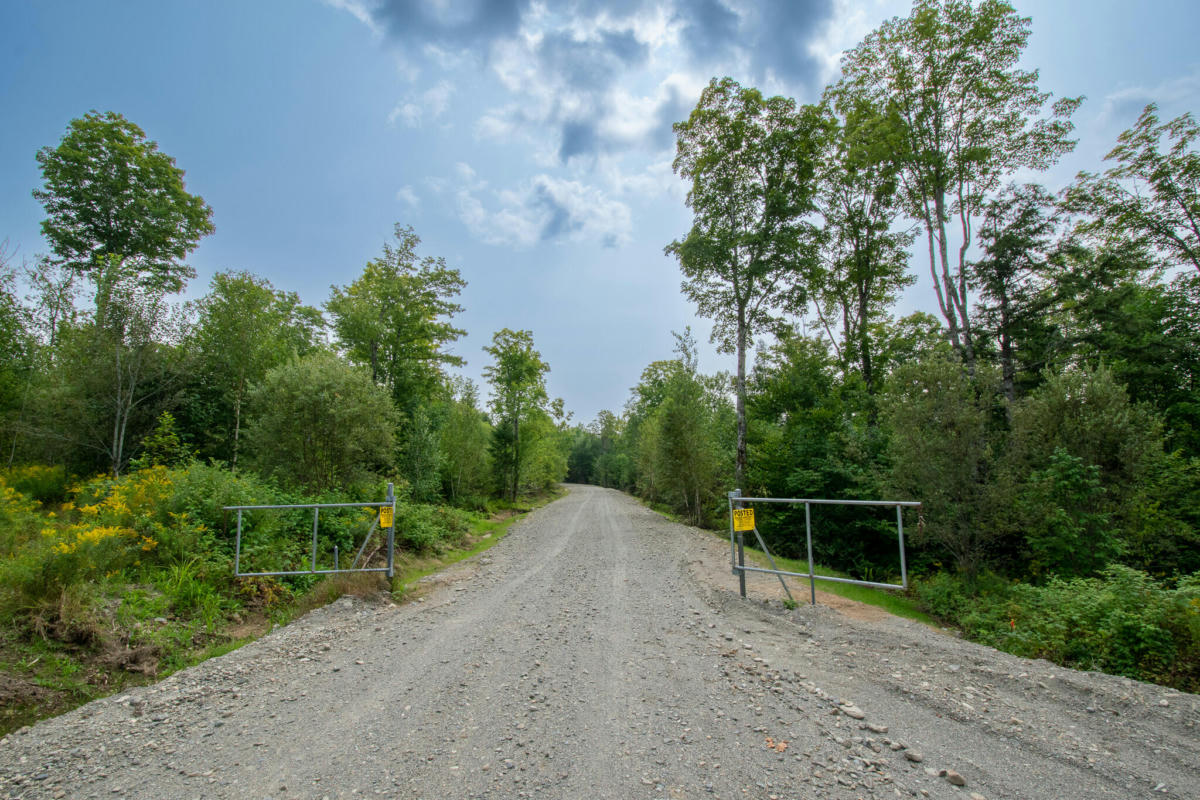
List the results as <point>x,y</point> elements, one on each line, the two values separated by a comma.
<point>115,582</point>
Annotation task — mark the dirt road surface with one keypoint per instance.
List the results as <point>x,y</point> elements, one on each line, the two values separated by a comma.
<point>588,655</point>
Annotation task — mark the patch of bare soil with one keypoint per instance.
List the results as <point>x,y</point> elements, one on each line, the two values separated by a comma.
<point>17,691</point>
<point>710,565</point>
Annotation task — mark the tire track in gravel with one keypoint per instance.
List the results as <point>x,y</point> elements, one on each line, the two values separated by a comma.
<point>579,658</point>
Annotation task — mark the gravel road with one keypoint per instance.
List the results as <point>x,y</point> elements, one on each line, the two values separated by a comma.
<point>584,657</point>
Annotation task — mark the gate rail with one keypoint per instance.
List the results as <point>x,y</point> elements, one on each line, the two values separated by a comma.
<point>388,503</point>
<point>736,549</point>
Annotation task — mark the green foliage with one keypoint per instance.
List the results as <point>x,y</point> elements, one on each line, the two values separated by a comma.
<point>1149,195</point>
<point>1122,621</point>
<point>464,440</point>
<point>244,328</point>
<point>111,194</point>
<point>1067,531</point>
<point>395,318</point>
<point>751,162</point>
<point>40,482</point>
<point>163,447</point>
<point>518,378</point>
<point>965,118</point>
<point>431,529</point>
<point>319,423</point>
<point>943,447</point>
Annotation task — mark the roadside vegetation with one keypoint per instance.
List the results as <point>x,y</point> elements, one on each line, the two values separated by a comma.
<point>1047,417</point>
<point>129,419</point>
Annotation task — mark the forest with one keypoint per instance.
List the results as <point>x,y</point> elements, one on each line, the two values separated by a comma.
<point>1047,416</point>
<point>130,418</point>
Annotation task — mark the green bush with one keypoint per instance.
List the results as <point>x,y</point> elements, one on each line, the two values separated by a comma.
<point>424,528</point>
<point>1122,622</point>
<point>40,482</point>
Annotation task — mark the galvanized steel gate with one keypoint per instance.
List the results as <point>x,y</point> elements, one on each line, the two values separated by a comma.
<point>737,556</point>
<point>386,519</point>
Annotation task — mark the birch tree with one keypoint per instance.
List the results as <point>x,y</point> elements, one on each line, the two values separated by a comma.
<point>968,118</point>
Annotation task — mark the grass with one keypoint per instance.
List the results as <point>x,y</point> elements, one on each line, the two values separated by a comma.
<point>891,601</point>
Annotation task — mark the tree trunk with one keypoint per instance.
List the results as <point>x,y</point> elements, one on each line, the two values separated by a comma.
<point>237,422</point>
<point>740,468</point>
<point>1008,368</point>
<point>516,454</point>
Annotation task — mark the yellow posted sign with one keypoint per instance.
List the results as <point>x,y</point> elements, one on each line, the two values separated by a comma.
<point>743,519</point>
<point>385,517</point>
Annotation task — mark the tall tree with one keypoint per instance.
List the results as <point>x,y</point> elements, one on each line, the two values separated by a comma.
<point>1150,195</point>
<point>111,194</point>
<point>968,118</point>
<point>518,378</point>
<point>864,257</point>
<point>244,328</point>
<point>16,353</point>
<point>1015,235</point>
<point>464,444</point>
<point>751,163</point>
<point>396,319</point>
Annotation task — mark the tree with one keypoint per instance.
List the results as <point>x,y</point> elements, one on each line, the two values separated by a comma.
<point>396,319</point>
<point>1015,236</point>
<point>943,448</point>
<point>319,423</point>
<point>967,116</point>
<point>464,445</point>
<point>16,352</point>
<point>864,260</point>
<point>118,369</point>
<point>751,163</point>
<point>112,195</point>
<point>244,328</point>
<point>163,446</point>
<point>1149,195</point>
<point>518,378</point>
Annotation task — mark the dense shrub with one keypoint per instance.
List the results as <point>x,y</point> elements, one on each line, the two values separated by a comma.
<point>1122,622</point>
<point>40,482</point>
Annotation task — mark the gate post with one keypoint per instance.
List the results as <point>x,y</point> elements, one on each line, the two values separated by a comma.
<point>391,539</point>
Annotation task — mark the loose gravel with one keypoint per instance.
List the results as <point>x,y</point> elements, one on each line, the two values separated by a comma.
<point>582,657</point>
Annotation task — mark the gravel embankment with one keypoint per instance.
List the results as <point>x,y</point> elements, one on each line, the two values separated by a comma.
<point>581,657</point>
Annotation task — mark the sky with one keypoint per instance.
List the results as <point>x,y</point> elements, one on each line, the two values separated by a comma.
<point>527,143</point>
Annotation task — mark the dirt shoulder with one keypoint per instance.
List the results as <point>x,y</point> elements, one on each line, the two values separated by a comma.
<point>710,565</point>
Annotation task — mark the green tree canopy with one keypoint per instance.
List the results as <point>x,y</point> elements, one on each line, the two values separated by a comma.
<point>319,423</point>
<point>518,378</point>
<point>396,319</point>
<point>968,117</point>
<point>110,193</point>
<point>244,328</point>
<point>1150,195</point>
<point>751,162</point>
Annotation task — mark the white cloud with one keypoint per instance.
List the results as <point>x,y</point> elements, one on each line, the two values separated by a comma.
<point>1124,105</point>
<point>431,105</point>
<point>541,209</point>
<point>408,196</point>
<point>360,10</point>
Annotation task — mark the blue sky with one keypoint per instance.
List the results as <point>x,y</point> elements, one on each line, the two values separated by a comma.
<point>527,143</point>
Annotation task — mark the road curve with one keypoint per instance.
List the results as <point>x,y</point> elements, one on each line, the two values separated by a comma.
<point>580,658</point>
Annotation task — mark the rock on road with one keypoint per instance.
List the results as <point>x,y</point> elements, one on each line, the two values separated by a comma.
<point>581,658</point>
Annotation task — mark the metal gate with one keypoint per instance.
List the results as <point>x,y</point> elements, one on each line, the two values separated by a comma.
<point>386,519</point>
<point>737,557</point>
